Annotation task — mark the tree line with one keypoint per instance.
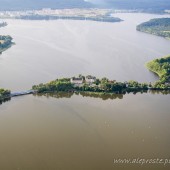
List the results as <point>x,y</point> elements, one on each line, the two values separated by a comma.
<point>162,68</point>
<point>158,26</point>
<point>103,85</point>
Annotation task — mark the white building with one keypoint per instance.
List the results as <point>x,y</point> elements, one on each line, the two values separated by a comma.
<point>90,79</point>
<point>76,80</point>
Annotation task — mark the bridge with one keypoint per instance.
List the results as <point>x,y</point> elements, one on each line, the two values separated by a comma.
<point>15,94</point>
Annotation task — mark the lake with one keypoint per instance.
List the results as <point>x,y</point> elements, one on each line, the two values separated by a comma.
<point>46,50</point>
<point>75,132</point>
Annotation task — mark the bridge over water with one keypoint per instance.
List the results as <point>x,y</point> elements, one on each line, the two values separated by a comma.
<point>15,94</point>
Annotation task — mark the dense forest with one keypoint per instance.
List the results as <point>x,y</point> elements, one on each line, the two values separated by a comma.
<point>158,26</point>
<point>162,68</point>
<point>4,95</point>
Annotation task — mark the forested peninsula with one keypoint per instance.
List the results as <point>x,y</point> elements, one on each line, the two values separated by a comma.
<point>92,84</point>
<point>5,42</point>
<point>101,88</point>
<point>158,26</point>
<point>162,68</point>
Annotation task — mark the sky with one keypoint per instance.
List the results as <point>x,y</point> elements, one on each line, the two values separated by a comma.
<point>115,4</point>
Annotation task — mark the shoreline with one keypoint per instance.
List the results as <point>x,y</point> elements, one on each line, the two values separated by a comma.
<point>152,70</point>
<point>157,26</point>
<point>160,67</point>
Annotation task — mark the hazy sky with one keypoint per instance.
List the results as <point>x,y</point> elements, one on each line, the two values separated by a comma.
<point>155,5</point>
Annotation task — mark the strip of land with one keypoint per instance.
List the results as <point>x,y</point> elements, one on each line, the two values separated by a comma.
<point>93,84</point>
<point>158,26</point>
<point>95,87</point>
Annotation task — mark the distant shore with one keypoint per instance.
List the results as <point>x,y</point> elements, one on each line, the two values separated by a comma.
<point>48,17</point>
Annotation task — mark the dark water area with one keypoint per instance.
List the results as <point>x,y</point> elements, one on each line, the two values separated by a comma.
<point>59,132</point>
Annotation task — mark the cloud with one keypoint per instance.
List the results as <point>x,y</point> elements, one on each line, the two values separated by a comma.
<point>96,1</point>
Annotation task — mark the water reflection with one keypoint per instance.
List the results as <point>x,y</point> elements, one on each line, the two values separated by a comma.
<point>67,131</point>
<point>163,92</point>
<point>4,100</point>
<point>103,96</point>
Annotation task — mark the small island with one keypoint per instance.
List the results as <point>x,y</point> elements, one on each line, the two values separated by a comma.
<point>5,42</point>
<point>158,26</point>
<point>5,95</point>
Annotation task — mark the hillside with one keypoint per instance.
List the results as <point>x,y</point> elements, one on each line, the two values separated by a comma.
<point>159,26</point>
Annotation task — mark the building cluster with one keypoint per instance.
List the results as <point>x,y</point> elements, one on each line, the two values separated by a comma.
<point>81,79</point>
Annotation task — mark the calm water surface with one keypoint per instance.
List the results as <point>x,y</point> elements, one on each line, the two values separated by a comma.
<point>72,132</point>
<point>40,133</point>
<point>46,50</point>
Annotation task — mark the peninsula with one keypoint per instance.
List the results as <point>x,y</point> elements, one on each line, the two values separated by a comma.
<point>92,84</point>
<point>158,26</point>
<point>5,42</point>
<point>162,68</point>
